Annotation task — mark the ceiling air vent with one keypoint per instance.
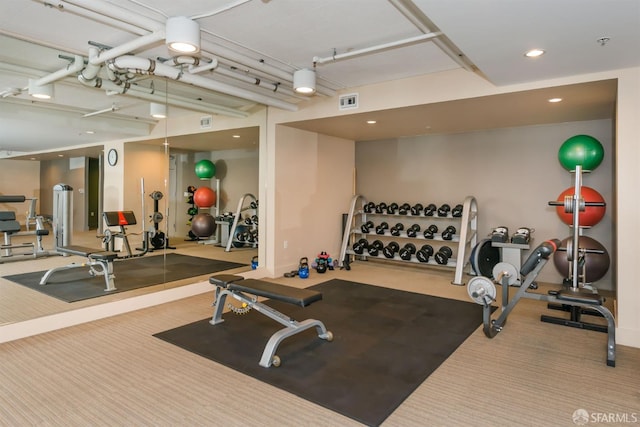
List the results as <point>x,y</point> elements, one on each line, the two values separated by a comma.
<point>205,122</point>
<point>348,102</point>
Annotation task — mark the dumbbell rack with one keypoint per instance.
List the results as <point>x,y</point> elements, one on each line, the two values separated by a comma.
<point>465,240</point>
<point>242,208</point>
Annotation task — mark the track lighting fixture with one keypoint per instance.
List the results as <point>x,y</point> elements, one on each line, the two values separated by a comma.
<point>158,111</point>
<point>40,92</point>
<point>183,34</point>
<point>304,81</point>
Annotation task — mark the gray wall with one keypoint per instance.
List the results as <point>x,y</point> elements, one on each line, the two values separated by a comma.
<point>513,173</point>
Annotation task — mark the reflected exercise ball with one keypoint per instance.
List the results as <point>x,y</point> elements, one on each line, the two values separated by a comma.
<point>204,197</point>
<point>591,215</point>
<point>595,265</point>
<point>583,150</point>
<point>205,169</point>
<point>203,225</point>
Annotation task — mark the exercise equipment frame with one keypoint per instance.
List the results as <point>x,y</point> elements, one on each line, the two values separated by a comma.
<point>482,290</point>
<point>247,291</point>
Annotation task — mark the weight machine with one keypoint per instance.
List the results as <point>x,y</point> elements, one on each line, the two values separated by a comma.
<point>483,291</point>
<point>10,228</point>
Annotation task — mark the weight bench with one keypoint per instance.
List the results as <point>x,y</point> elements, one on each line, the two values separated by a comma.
<point>10,227</point>
<point>247,291</point>
<point>122,219</point>
<point>103,260</point>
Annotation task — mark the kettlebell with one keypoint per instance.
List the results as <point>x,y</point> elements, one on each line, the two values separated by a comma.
<point>322,266</point>
<point>254,262</point>
<point>303,268</point>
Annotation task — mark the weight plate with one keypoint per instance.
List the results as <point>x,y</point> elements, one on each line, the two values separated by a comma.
<point>484,257</point>
<point>504,268</point>
<point>482,290</point>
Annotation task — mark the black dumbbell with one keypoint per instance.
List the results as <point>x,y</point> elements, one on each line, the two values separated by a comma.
<point>413,230</point>
<point>430,209</point>
<point>375,247</point>
<point>444,210</point>
<point>381,207</point>
<point>380,229</point>
<point>430,231</point>
<point>366,227</point>
<point>369,207</point>
<point>456,212</point>
<point>443,255</point>
<point>392,208</point>
<point>360,246</point>
<point>407,251</point>
<point>416,209</point>
<point>404,209</point>
<point>396,229</point>
<point>424,253</point>
<point>241,237</point>
<point>390,250</point>
<point>448,233</point>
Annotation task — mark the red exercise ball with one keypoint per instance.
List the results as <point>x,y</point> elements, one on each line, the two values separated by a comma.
<point>591,215</point>
<point>204,197</point>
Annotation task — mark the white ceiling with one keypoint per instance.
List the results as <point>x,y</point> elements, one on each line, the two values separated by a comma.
<point>268,40</point>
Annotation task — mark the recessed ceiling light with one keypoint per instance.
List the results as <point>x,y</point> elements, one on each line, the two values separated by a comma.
<point>372,122</point>
<point>555,100</point>
<point>236,136</point>
<point>60,155</point>
<point>534,53</point>
<point>90,132</point>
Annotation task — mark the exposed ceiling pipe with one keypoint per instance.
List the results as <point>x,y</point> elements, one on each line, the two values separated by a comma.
<point>220,10</point>
<point>157,29</point>
<point>192,63</point>
<point>160,69</point>
<point>161,97</point>
<point>375,49</point>
<point>120,14</point>
<point>123,49</point>
<point>242,61</point>
<point>112,109</point>
<point>184,60</point>
<point>75,67</point>
<point>65,6</point>
<point>410,11</point>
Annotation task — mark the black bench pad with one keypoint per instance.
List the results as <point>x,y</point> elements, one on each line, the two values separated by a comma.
<point>223,280</point>
<point>9,226</point>
<point>88,252</point>
<point>275,291</point>
<point>581,297</point>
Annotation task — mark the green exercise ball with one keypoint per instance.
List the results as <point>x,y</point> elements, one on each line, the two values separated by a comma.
<point>583,150</point>
<point>205,169</point>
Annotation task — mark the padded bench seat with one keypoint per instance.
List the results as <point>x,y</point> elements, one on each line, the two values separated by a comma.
<point>88,252</point>
<point>582,297</point>
<point>289,294</point>
<point>100,263</point>
<point>245,291</point>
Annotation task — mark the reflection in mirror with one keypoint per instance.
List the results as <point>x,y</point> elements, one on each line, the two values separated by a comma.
<point>165,165</point>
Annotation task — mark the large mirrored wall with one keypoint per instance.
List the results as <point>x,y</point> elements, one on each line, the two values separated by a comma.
<point>163,164</point>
